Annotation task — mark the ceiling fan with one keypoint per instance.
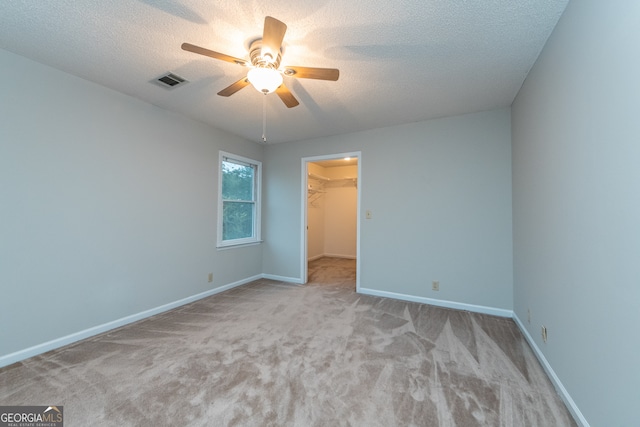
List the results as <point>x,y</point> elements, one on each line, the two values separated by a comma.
<point>265,55</point>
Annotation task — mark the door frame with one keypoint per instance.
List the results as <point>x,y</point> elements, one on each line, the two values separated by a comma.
<point>304,219</point>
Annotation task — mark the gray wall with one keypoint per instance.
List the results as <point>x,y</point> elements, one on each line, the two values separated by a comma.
<point>576,204</point>
<point>440,195</point>
<point>107,206</point>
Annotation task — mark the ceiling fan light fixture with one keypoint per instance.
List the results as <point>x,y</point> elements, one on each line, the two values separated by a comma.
<point>265,80</point>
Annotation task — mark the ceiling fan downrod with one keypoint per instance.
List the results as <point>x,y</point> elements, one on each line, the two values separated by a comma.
<point>264,119</point>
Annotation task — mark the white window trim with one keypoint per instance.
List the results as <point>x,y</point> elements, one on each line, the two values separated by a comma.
<point>221,244</point>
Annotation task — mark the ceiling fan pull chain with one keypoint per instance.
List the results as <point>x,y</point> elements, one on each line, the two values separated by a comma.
<point>264,119</point>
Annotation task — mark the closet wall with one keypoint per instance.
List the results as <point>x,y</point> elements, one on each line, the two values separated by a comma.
<point>332,211</point>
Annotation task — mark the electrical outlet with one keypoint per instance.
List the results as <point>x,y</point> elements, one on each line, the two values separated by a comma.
<point>435,285</point>
<point>544,333</point>
<point>210,279</point>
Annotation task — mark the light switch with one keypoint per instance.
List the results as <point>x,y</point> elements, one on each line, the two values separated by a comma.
<point>368,214</point>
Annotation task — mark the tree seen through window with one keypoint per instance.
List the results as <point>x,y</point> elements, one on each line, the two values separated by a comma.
<point>238,199</point>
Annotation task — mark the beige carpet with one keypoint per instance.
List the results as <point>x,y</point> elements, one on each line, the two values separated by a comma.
<point>276,354</point>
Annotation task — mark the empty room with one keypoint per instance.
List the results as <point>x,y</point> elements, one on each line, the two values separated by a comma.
<point>382,213</point>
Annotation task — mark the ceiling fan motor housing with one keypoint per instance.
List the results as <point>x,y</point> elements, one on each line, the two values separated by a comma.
<point>268,60</point>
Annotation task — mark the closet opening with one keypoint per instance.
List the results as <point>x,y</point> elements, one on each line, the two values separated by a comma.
<point>331,206</point>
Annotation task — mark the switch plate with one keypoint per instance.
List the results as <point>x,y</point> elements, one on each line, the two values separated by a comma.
<point>210,278</point>
<point>435,285</point>
<point>368,214</point>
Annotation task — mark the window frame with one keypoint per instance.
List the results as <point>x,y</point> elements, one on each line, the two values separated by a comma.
<point>257,200</point>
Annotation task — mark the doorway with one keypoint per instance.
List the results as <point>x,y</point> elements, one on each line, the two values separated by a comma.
<point>331,218</point>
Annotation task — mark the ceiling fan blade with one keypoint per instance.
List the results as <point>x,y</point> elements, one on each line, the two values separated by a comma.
<point>230,90</point>
<point>210,53</point>
<point>272,36</point>
<point>286,96</point>
<point>312,73</point>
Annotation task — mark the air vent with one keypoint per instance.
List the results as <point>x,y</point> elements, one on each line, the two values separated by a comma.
<point>170,81</point>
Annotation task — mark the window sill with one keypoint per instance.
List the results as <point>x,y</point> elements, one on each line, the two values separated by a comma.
<point>238,245</point>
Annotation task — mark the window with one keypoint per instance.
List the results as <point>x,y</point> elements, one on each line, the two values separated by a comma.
<point>238,200</point>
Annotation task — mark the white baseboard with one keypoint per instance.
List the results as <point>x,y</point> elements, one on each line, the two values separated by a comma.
<point>440,303</point>
<point>69,339</point>
<point>77,336</point>
<point>313,258</point>
<point>283,278</point>
<point>340,256</point>
<point>564,394</point>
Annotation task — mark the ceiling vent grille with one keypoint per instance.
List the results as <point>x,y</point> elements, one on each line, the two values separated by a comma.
<point>170,81</point>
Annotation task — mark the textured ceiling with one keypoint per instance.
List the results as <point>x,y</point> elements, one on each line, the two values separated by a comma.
<point>400,61</point>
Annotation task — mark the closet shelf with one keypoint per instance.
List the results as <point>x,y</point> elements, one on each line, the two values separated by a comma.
<point>320,177</point>
<point>324,178</point>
